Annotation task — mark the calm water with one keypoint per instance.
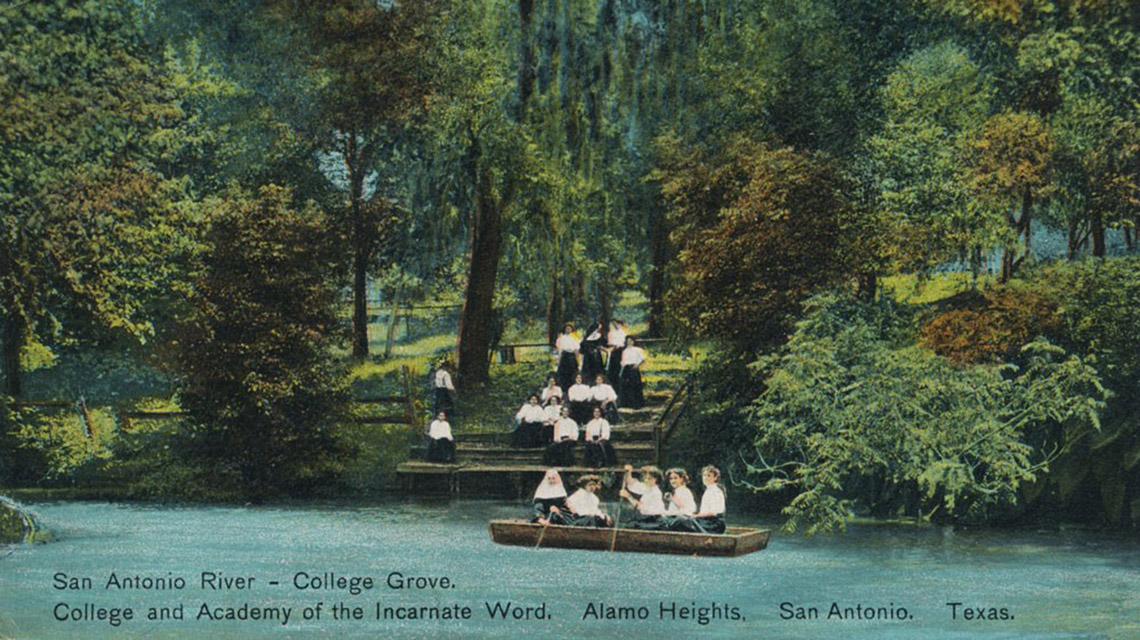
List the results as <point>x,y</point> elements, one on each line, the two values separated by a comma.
<point>1054,585</point>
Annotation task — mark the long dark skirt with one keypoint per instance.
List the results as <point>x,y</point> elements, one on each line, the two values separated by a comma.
<point>440,450</point>
<point>613,367</point>
<point>581,412</point>
<point>689,524</point>
<point>567,369</point>
<point>600,454</point>
<point>610,413</point>
<point>560,454</point>
<point>649,523</point>
<point>542,507</point>
<point>572,520</point>
<point>591,363</point>
<point>527,435</point>
<point>630,392</point>
<point>443,402</point>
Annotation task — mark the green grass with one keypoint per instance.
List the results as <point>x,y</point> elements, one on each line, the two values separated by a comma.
<point>911,289</point>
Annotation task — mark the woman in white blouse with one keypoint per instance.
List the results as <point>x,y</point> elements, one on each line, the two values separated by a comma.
<point>580,398</point>
<point>599,451</point>
<point>605,398</point>
<point>630,392</point>
<point>679,501</point>
<point>440,444</point>
<point>529,418</point>
<point>551,390</point>
<point>709,518</point>
<point>560,453</point>
<point>567,346</point>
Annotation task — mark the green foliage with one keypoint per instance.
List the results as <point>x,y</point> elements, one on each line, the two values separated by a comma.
<point>855,415</point>
<point>255,353</point>
<point>994,330</point>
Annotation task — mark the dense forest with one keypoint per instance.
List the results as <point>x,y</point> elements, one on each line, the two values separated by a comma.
<point>903,233</point>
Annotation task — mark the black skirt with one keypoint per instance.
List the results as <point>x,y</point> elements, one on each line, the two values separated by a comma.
<point>630,392</point>
<point>560,454</point>
<point>600,454</point>
<point>567,369</point>
<point>443,402</point>
<point>440,450</point>
<point>542,507</point>
<point>527,435</point>
<point>572,520</point>
<point>613,367</point>
<point>689,524</point>
<point>582,412</point>
<point>649,523</point>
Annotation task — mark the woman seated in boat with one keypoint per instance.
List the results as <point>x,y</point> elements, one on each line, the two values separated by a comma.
<point>567,347</point>
<point>679,501</point>
<point>583,508</point>
<point>605,398</point>
<point>553,413</point>
<point>551,390</point>
<point>581,399</point>
<point>630,392</point>
<point>709,518</point>
<point>440,443</point>
<point>549,497</point>
<point>646,496</point>
<point>529,420</point>
<point>599,451</point>
<point>560,453</point>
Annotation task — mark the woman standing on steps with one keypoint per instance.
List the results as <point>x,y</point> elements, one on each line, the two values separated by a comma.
<point>592,351</point>
<point>580,398</point>
<point>629,390</point>
<point>568,347</point>
<point>615,340</point>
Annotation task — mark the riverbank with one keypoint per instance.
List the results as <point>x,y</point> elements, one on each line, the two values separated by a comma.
<point>17,525</point>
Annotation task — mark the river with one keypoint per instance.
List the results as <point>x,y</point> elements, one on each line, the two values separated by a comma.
<point>1045,584</point>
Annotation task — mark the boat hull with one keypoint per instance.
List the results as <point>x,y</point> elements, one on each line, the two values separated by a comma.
<point>736,541</point>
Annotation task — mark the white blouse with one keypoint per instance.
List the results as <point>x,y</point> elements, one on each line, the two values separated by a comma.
<point>584,503</point>
<point>633,357</point>
<point>552,413</point>
<point>616,338</point>
<point>567,343</point>
<point>440,429</point>
<point>597,429</point>
<point>603,393</point>
<point>443,380</point>
<point>531,413</point>
<point>566,429</point>
<point>651,503</point>
<point>551,392</point>
<point>580,393</point>
<point>712,501</point>
<point>682,502</point>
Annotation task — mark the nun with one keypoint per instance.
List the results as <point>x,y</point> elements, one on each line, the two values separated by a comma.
<point>560,453</point>
<point>629,389</point>
<point>599,451</point>
<point>615,342</point>
<point>583,507</point>
<point>592,351</point>
<point>581,400</point>
<point>440,443</point>
<point>709,518</point>
<point>567,346</point>
<point>549,498</point>
<point>605,398</point>
<point>529,420</point>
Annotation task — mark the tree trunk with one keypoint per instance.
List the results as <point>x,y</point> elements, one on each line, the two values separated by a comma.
<point>1128,239</point>
<point>1073,245</point>
<point>554,306</point>
<point>476,321</point>
<point>1096,230</point>
<point>361,245</point>
<point>14,336</point>
<point>393,322</point>
<point>660,242</point>
<point>606,311</point>
<point>526,56</point>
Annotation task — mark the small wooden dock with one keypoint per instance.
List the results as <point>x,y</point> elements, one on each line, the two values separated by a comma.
<point>487,465</point>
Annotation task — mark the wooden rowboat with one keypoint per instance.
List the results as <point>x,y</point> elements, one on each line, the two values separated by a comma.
<point>736,541</point>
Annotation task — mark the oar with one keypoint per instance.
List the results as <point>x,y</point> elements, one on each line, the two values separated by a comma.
<point>617,521</point>
<point>542,533</point>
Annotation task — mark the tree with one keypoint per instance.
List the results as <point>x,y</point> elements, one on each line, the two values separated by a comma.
<point>756,236</point>
<point>260,379</point>
<point>89,112</point>
<point>1007,167</point>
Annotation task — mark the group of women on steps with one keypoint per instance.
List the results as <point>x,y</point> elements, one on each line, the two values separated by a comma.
<point>675,510</point>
